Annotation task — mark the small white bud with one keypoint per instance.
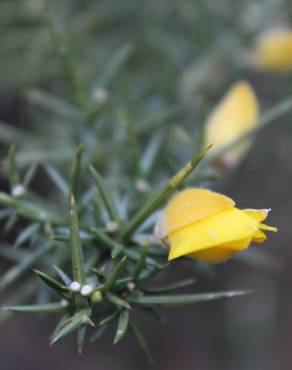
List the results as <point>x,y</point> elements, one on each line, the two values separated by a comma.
<point>111,226</point>
<point>131,286</point>
<point>18,190</point>
<point>75,286</point>
<point>142,186</point>
<point>100,95</point>
<point>64,302</point>
<point>159,232</point>
<point>86,290</point>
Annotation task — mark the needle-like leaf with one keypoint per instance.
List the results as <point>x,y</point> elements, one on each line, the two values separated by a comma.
<point>183,299</point>
<point>123,322</point>
<point>117,301</point>
<point>171,287</point>
<point>74,322</point>
<point>107,200</point>
<point>52,283</point>
<point>13,174</point>
<point>75,244</point>
<point>140,340</point>
<point>75,171</point>
<point>37,308</point>
<point>27,233</point>
<point>114,275</point>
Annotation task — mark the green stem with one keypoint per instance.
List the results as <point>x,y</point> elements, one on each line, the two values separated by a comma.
<point>162,195</point>
<point>12,168</point>
<point>75,170</point>
<point>75,243</point>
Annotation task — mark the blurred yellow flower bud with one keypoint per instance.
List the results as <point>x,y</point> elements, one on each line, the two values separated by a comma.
<point>273,51</point>
<point>207,226</point>
<point>235,115</point>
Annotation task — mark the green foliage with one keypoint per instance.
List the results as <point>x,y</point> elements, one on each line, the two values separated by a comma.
<point>92,223</point>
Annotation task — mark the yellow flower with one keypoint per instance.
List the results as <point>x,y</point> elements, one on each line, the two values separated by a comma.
<point>207,226</point>
<point>236,114</point>
<point>273,51</point>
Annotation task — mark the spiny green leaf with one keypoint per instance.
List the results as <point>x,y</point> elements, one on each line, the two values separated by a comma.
<point>114,275</point>
<point>170,287</point>
<point>13,174</point>
<point>140,340</point>
<point>62,275</point>
<point>146,275</point>
<point>97,212</point>
<point>52,283</point>
<point>115,64</point>
<point>38,308</point>
<point>109,317</point>
<point>10,223</point>
<point>81,337</point>
<point>131,139</point>
<point>66,237</point>
<point>117,250</point>
<point>30,210</point>
<point>93,261</point>
<point>177,300</point>
<point>155,202</point>
<point>24,292</point>
<point>121,283</point>
<point>117,301</point>
<point>150,154</point>
<point>75,170</point>
<point>73,323</point>
<point>75,244</point>
<point>156,313</point>
<point>29,174</point>
<point>61,323</point>
<point>14,272</point>
<point>107,199</point>
<point>141,261</point>
<point>27,233</point>
<point>54,104</point>
<point>99,332</point>
<point>134,255</point>
<point>114,246</point>
<point>57,179</point>
<point>123,322</point>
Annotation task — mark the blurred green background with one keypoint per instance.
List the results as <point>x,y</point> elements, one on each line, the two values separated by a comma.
<point>165,63</point>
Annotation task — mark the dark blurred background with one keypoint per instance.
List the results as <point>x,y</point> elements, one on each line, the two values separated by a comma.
<point>253,332</point>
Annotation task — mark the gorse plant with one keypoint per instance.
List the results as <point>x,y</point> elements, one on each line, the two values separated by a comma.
<point>86,190</point>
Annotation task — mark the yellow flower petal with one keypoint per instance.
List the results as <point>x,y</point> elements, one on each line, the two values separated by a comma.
<point>273,50</point>
<point>269,228</point>
<point>259,236</point>
<point>213,255</point>
<point>258,214</point>
<point>235,114</point>
<point>226,227</point>
<point>207,226</point>
<point>191,205</point>
<point>222,252</point>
